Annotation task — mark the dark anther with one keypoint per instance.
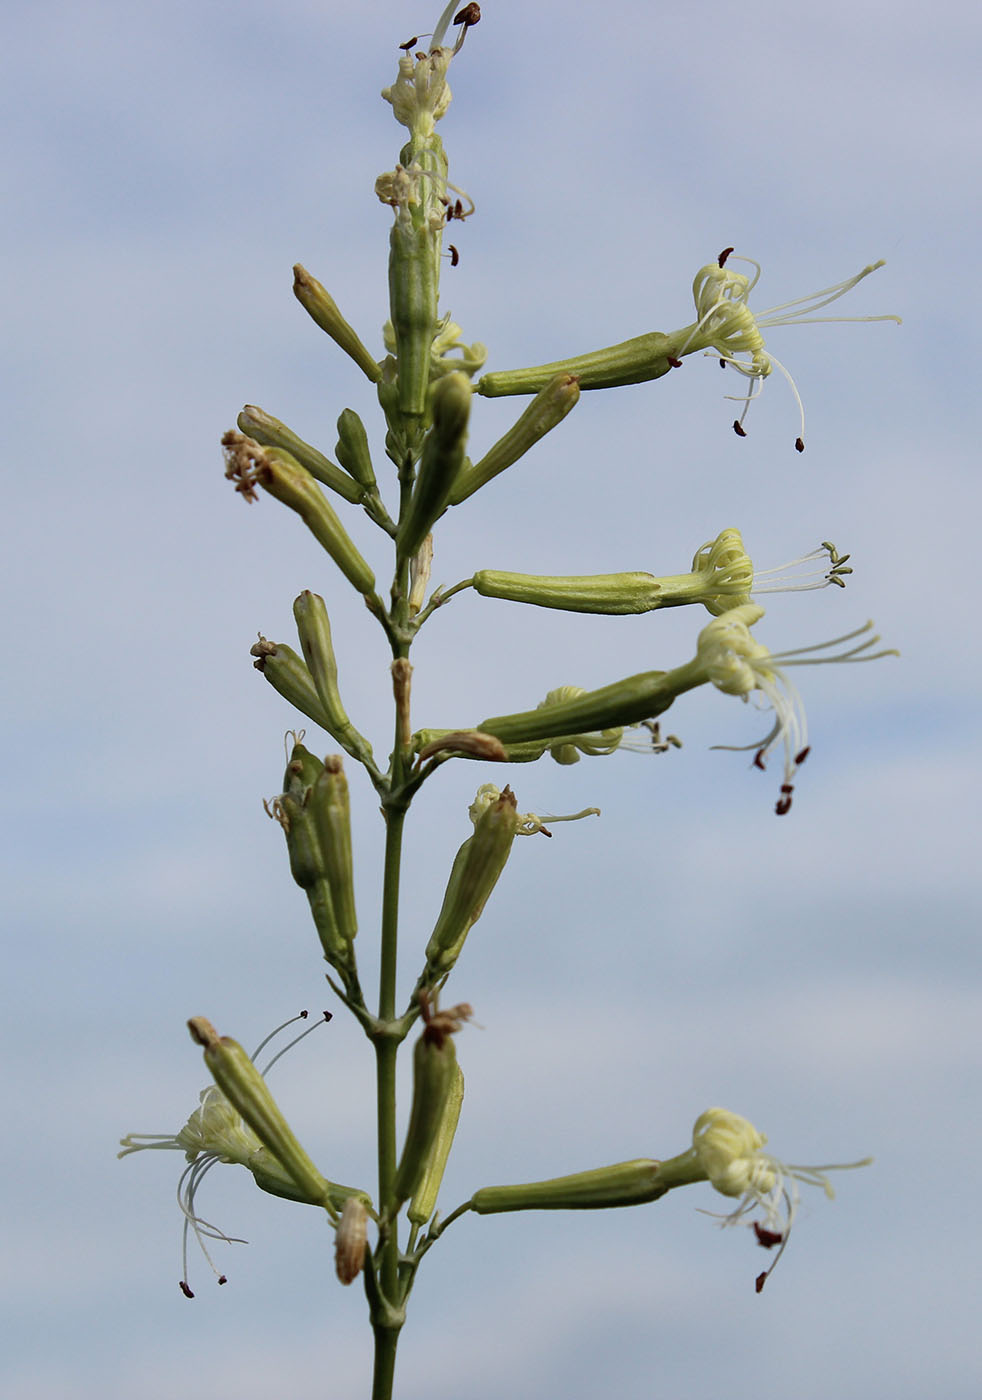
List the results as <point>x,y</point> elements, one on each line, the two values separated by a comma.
<point>800,757</point>
<point>302,1015</point>
<point>722,364</point>
<point>767,1239</point>
<point>454,255</point>
<point>721,260</point>
<point>222,1279</point>
<point>759,1282</point>
<point>185,1289</point>
<point>738,428</point>
<point>409,43</point>
<point>676,364</point>
<point>469,15</point>
<point>759,760</point>
<point>799,444</point>
<point>783,806</point>
<point>328,1015</point>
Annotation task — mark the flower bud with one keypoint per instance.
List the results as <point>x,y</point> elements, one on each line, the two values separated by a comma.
<point>314,630</point>
<point>546,411</point>
<point>283,477</point>
<point>246,1091</point>
<point>317,860</point>
<point>288,675</point>
<point>321,306</point>
<point>434,1074</point>
<point>624,1184</point>
<point>331,813</point>
<point>352,449</point>
<point>441,462</point>
<point>474,874</point>
<point>294,815</point>
<point>424,1198</point>
<point>263,428</point>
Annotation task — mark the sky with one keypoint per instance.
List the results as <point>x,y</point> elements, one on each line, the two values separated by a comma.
<point>165,166</point>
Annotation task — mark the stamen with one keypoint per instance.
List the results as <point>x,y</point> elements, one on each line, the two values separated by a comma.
<point>326,1016</point>
<point>300,1016</point>
<point>818,300</point>
<point>788,578</point>
<point>792,658</point>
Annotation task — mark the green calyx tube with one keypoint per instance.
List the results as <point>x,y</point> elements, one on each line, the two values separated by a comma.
<point>424,1198</point>
<point>331,812</point>
<point>263,428</point>
<point>246,1091</point>
<point>289,677</point>
<point>270,1177</point>
<point>352,449</point>
<point>644,696</point>
<point>414,280</point>
<point>611,594</point>
<point>546,411</point>
<point>279,473</point>
<point>434,1075</point>
<point>474,874</point>
<point>314,630</point>
<point>296,819</point>
<point>633,361</point>
<point>624,1184</point>
<point>441,462</point>
<point>312,811</point>
<point>322,308</point>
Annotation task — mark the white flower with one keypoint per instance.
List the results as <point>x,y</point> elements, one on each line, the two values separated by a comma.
<point>727,324</point>
<point>213,1133</point>
<point>731,1152</point>
<point>421,94</point>
<point>731,577</point>
<point>738,664</point>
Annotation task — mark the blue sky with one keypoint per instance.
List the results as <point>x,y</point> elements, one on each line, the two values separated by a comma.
<point>165,166</point>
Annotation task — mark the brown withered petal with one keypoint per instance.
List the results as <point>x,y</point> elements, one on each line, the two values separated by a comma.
<point>470,741</point>
<point>349,1241</point>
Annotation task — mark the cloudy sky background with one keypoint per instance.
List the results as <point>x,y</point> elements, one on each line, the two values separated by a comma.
<point>165,166</point>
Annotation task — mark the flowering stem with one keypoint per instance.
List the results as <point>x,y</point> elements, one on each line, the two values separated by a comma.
<point>387,1316</point>
<point>383,1376</point>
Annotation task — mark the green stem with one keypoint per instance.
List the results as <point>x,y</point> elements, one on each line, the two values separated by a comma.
<point>387,1044</point>
<point>386,1319</point>
<point>386,1339</point>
